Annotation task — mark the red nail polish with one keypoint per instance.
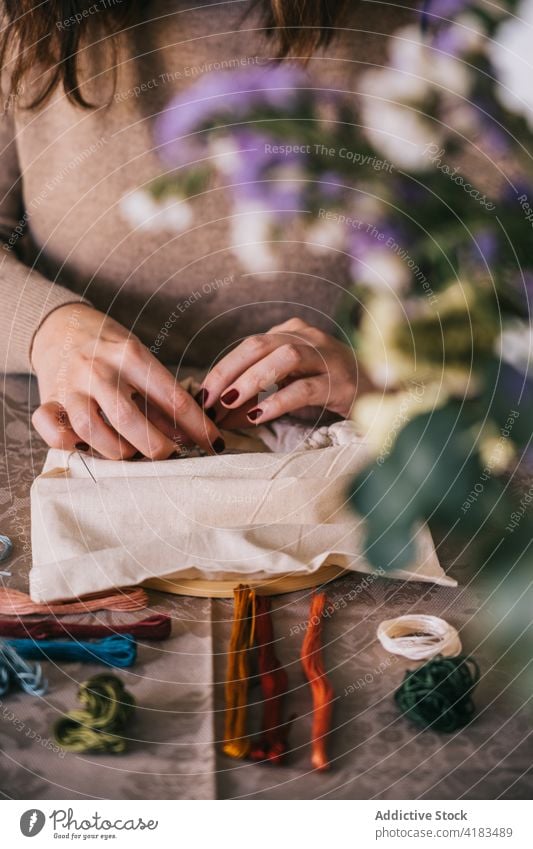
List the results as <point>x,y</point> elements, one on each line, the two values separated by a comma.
<point>254,414</point>
<point>211,413</point>
<point>81,446</point>
<point>219,445</point>
<point>230,397</point>
<point>201,397</point>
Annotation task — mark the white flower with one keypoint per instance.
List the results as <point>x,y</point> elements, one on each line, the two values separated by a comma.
<point>515,345</point>
<point>469,33</point>
<point>394,97</point>
<point>496,451</point>
<point>511,55</point>
<point>411,55</point>
<point>382,416</point>
<point>377,351</point>
<point>251,234</point>
<point>326,235</point>
<point>400,133</point>
<point>391,125</point>
<point>142,210</point>
<point>393,84</point>
<point>381,270</point>
<point>226,152</point>
<point>389,366</point>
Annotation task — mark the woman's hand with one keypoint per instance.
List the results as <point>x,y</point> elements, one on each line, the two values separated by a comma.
<point>101,388</point>
<point>309,369</point>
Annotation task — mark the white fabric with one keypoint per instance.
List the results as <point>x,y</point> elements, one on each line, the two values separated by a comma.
<point>251,514</point>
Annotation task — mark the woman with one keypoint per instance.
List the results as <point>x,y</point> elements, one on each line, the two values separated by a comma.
<point>85,294</point>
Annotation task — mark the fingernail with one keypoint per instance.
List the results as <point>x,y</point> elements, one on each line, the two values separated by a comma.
<point>219,445</point>
<point>230,397</point>
<point>81,446</point>
<point>254,414</point>
<point>201,397</point>
<point>211,413</point>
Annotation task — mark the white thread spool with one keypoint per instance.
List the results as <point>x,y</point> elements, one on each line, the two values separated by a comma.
<point>419,637</point>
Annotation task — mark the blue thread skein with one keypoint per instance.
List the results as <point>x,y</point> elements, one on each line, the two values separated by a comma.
<point>13,668</point>
<point>117,650</point>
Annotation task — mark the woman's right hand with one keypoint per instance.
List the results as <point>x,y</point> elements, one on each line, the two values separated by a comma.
<point>101,388</point>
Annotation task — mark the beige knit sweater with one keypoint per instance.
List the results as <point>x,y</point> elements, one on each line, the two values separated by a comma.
<point>64,170</point>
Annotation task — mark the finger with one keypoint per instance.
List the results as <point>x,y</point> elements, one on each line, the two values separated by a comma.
<point>156,383</point>
<point>87,422</point>
<point>292,325</point>
<point>161,421</point>
<point>238,419</point>
<point>52,424</point>
<point>125,417</point>
<point>306,392</point>
<point>288,359</point>
<point>229,368</point>
<point>300,331</point>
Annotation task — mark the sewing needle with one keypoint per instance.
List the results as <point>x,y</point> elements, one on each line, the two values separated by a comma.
<point>82,458</point>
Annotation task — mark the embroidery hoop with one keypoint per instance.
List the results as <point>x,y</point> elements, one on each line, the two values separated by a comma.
<point>277,585</point>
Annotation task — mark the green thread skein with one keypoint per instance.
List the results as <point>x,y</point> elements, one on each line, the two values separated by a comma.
<point>438,695</point>
<point>99,724</point>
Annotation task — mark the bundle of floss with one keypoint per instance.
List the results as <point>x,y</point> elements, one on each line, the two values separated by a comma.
<point>419,637</point>
<point>118,650</point>
<point>16,603</point>
<point>438,695</point>
<point>6,547</point>
<point>321,689</point>
<point>17,672</point>
<point>156,627</point>
<point>99,725</point>
<point>253,622</point>
<point>273,743</point>
<point>236,743</point>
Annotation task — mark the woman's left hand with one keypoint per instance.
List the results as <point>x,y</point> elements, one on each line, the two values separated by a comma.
<point>305,367</point>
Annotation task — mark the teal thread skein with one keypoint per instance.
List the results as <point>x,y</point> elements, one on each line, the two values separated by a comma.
<point>438,695</point>
<point>117,650</point>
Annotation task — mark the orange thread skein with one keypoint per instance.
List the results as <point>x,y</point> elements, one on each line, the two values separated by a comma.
<point>236,743</point>
<point>273,744</point>
<point>321,689</point>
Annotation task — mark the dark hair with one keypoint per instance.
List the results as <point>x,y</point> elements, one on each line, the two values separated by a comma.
<point>41,34</point>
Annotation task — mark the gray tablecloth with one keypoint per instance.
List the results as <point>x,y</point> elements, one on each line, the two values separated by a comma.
<point>174,751</point>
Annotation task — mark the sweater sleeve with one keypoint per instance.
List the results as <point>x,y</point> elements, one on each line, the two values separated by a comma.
<point>26,296</point>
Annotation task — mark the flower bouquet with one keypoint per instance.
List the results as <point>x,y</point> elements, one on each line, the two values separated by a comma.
<point>428,189</point>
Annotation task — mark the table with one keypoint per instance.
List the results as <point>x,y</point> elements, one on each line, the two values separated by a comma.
<point>174,750</point>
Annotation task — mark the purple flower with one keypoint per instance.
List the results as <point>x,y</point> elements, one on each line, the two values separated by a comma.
<point>449,39</point>
<point>514,385</point>
<point>484,249</point>
<point>261,175</point>
<point>330,185</point>
<point>446,8</point>
<point>225,97</point>
<point>433,10</point>
<point>381,236</point>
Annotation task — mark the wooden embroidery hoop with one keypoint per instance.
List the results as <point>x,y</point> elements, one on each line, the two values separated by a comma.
<point>276,585</point>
